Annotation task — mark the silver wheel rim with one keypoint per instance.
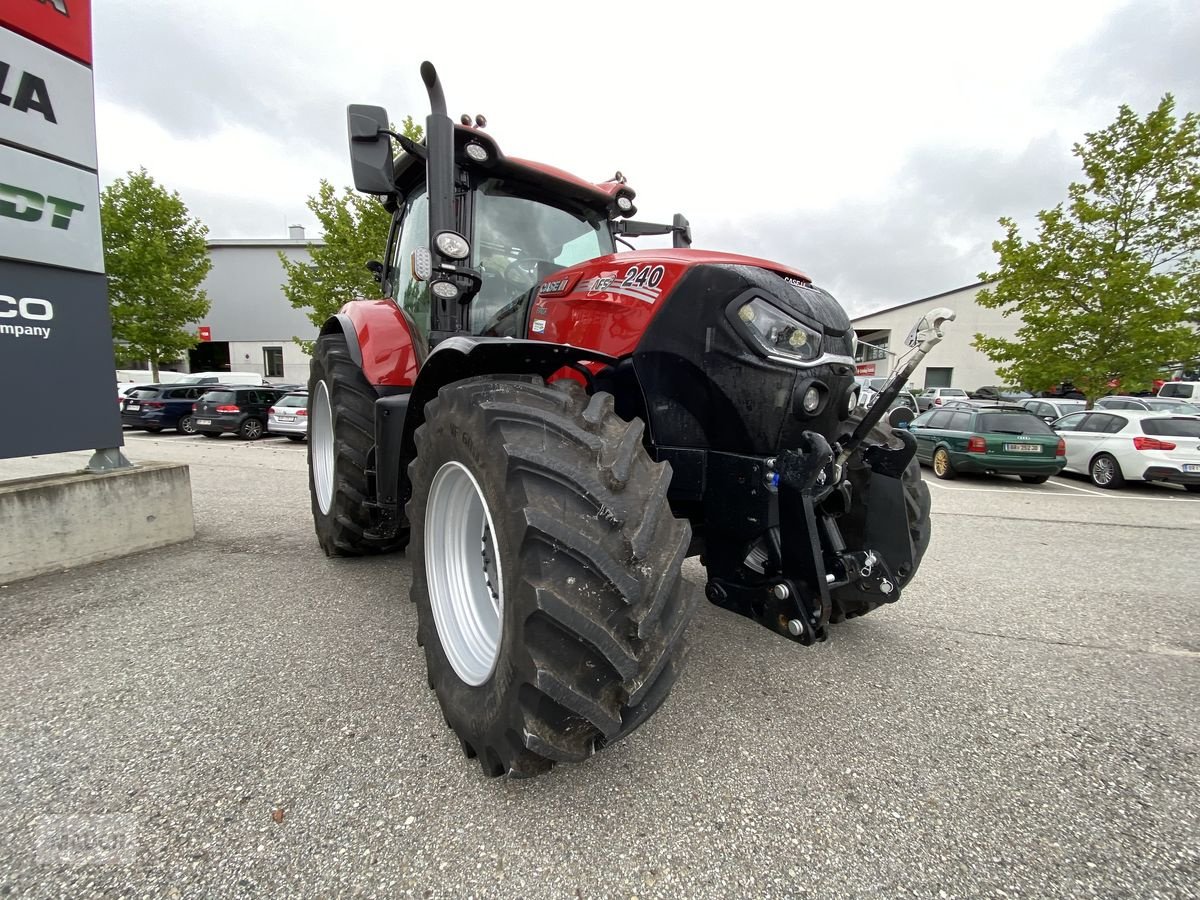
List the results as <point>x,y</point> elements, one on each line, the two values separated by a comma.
<point>253,429</point>
<point>186,426</point>
<point>462,566</point>
<point>1102,471</point>
<point>320,448</point>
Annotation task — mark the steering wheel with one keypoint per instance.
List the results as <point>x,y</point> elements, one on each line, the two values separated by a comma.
<point>522,272</point>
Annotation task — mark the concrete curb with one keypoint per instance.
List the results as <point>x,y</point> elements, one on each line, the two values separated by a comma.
<point>54,522</point>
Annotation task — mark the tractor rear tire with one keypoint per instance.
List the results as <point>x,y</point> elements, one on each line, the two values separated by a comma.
<point>853,527</point>
<point>545,571</point>
<point>338,449</point>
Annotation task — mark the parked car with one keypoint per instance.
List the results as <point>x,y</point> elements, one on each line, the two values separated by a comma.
<point>978,404</point>
<point>234,410</point>
<point>1112,447</point>
<point>1181,390</point>
<point>1148,404</point>
<point>232,378</point>
<point>931,397</point>
<point>124,390</point>
<point>289,416</point>
<point>994,440</point>
<point>1050,410</point>
<point>156,407</point>
<point>1000,393</point>
<point>902,409</point>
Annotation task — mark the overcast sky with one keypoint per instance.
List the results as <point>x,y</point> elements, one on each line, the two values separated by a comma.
<point>872,145</point>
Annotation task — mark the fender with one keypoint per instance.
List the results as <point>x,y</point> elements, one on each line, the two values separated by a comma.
<point>464,356</point>
<point>380,339</point>
<point>398,414</point>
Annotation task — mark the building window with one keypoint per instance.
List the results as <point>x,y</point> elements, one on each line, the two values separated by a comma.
<point>936,377</point>
<point>273,362</point>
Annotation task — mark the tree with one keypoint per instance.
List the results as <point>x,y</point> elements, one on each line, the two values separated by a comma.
<point>1110,290</point>
<point>355,230</point>
<point>156,258</point>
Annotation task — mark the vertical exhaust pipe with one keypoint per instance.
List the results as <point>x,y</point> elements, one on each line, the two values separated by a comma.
<point>439,139</point>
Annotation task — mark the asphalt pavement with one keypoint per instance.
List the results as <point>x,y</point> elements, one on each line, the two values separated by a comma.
<point>239,716</point>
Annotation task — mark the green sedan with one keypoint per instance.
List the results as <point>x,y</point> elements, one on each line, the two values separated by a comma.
<point>992,440</point>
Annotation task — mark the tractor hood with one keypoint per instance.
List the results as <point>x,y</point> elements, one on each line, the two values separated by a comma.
<point>632,287</point>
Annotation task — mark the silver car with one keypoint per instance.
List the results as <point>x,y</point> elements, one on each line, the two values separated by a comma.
<point>289,416</point>
<point>1051,408</point>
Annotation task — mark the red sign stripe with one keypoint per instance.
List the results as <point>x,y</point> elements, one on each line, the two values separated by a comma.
<point>63,25</point>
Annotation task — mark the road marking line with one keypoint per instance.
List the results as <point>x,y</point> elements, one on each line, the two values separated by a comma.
<point>1166,498</point>
<point>1084,490</point>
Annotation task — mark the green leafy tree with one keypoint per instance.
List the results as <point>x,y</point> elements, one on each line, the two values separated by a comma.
<point>355,229</point>
<point>1110,290</point>
<point>156,258</point>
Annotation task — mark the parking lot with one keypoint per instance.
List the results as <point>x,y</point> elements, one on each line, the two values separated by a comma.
<point>241,716</point>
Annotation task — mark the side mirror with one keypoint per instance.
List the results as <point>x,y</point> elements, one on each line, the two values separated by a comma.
<point>375,267</point>
<point>370,149</point>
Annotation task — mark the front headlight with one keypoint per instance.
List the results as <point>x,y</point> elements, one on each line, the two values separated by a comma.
<point>778,333</point>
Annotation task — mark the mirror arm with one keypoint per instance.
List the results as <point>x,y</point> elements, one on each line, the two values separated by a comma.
<point>408,145</point>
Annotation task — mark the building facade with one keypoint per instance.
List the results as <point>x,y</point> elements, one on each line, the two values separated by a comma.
<point>250,326</point>
<point>954,362</point>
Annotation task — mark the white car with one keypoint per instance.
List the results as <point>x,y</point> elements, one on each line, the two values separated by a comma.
<point>289,416</point>
<point>1181,390</point>
<point>1114,446</point>
<point>238,378</point>
<point>1152,404</point>
<point>1051,409</point>
<point>936,396</point>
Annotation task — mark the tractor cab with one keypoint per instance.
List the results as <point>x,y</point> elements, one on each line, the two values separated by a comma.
<point>479,230</point>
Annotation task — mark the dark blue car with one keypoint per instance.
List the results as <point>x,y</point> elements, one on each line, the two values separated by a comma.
<point>154,407</point>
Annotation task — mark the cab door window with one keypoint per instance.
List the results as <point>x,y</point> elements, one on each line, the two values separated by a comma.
<point>411,294</point>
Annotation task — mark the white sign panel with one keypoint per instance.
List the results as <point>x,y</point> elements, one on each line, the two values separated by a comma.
<point>49,212</point>
<point>46,101</point>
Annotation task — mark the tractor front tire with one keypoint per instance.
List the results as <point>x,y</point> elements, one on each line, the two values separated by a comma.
<point>341,436</point>
<point>853,525</point>
<point>545,571</point>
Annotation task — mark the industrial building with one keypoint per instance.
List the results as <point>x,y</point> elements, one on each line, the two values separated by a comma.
<point>250,326</point>
<point>954,363</point>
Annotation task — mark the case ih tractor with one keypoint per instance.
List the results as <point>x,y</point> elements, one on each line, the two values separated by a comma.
<point>552,427</point>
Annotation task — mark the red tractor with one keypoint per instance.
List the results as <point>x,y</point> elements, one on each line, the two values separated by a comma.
<point>552,427</point>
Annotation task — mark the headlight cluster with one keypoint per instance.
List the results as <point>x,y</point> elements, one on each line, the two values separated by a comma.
<point>778,333</point>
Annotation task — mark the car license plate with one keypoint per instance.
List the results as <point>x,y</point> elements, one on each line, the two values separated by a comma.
<point>133,407</point>
<point>204,421</point>
<point>1191,467</point>
<point>1023,448</point>
<point>286,418</point>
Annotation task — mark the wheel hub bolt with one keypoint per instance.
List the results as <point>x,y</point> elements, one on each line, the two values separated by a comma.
<point>796,627</point>
<point>781,592</point>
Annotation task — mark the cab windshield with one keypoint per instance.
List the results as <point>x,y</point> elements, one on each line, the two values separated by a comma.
<point>520,241</point>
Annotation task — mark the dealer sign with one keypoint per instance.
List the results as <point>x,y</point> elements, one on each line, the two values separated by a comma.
<point>55,329</point>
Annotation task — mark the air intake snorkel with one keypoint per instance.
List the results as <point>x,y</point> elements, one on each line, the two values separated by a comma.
<point>925,335</point>
<point>452,283</point>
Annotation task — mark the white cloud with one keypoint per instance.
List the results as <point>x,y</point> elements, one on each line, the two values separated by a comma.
<point>874,144</point>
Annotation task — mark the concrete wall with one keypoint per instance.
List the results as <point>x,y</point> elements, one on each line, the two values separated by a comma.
<point>247,356</point>
<point>971,368</point>
<point>59,521</point>
<point>245,286</point>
